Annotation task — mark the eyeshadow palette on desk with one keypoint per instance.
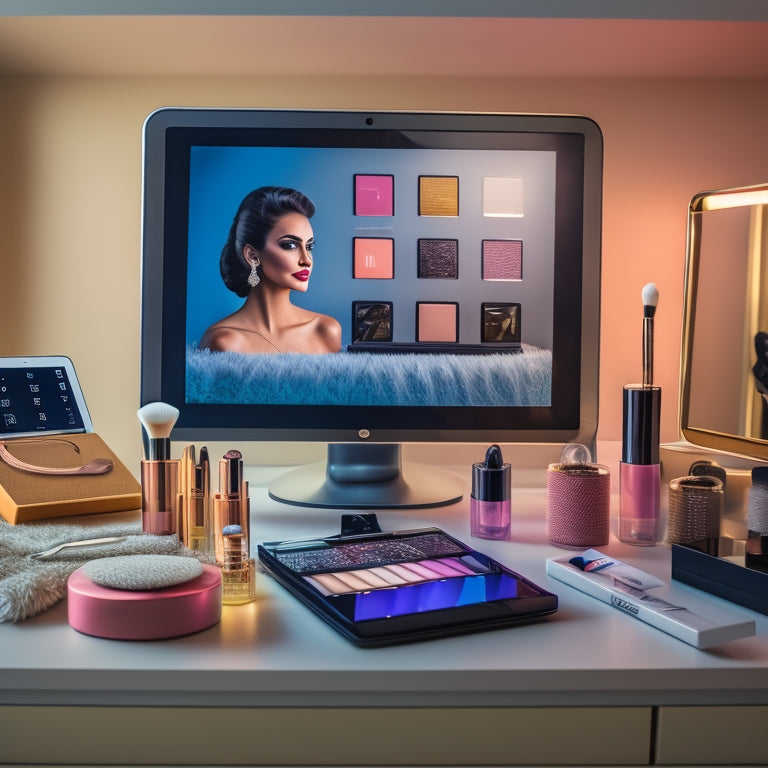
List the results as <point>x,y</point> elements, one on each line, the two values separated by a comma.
<point>393,587</point>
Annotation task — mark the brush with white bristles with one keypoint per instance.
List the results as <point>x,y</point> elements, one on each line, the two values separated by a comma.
<point>158,420</point>
<point>650,300</point>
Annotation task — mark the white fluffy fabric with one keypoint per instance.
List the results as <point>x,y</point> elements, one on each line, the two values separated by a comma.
<point>365,378</point>
<point>28,587</point>
<point>137,573</point>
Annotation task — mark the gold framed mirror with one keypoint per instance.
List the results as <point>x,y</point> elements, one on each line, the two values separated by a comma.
<point>723,384</point>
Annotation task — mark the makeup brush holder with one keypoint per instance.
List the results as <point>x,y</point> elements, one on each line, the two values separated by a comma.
<point>695,511</point>
<point>756,553</point>
<point>578,505</point>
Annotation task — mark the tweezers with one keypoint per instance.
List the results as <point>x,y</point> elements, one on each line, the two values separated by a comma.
<point>83,543</point>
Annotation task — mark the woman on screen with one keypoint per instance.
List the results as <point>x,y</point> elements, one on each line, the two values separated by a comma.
<point>269,254</point>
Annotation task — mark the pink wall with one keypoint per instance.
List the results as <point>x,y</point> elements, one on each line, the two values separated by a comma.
<point>665,140</point>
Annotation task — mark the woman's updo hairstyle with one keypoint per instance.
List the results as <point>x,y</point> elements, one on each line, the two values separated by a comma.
<point>257,215</point>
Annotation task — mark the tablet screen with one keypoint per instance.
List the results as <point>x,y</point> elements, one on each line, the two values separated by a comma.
<point>40,395</point>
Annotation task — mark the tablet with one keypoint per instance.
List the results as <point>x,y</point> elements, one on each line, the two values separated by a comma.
<point>398,586</point>
<point>41,395</point>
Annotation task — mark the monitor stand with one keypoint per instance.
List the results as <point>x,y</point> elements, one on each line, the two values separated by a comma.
<point>366,476</point>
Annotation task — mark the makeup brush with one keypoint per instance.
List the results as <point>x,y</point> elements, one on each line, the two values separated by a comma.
<point>650,300</point>
<point>158,420</point>
<point>640,470</point>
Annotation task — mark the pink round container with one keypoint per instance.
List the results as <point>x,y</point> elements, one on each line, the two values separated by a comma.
<point>151,614</point>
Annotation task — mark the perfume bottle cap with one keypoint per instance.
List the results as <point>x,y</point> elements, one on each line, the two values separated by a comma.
<point>642,415</point>
<point>492,478</point>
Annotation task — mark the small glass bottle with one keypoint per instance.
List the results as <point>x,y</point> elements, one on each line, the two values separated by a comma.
<point>490,505</point>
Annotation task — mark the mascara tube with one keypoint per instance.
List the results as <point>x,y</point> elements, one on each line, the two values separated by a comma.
<point>231,519</point>
<point>639,469</point>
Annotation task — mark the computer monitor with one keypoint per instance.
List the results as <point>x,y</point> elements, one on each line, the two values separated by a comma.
<point>452,293</point>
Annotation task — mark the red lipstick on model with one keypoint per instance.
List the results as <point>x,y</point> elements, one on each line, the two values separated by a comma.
<point>302,275</point>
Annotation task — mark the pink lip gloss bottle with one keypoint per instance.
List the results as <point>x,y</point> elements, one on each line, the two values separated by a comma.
<point>639,470</point>
<point>490,505</point>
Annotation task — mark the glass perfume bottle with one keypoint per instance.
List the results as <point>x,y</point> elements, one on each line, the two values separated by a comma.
<point>490,504</point>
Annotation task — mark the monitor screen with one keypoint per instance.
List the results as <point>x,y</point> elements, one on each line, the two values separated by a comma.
<point>371,279</point>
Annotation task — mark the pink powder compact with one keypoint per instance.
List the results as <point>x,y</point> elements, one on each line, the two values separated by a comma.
<point>144,597</point>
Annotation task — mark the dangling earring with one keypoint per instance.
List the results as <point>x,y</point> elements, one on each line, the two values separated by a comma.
<point>253,277</point>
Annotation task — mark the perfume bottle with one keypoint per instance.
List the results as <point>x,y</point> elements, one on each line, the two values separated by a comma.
<point>490,505</point>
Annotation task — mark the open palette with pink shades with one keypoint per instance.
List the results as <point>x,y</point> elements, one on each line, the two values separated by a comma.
<point>381,588</point>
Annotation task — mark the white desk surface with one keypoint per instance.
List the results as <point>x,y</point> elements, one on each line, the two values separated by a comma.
<point>275,652</point>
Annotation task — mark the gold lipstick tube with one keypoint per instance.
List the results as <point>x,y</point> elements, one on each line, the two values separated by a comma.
<point>195,529</point>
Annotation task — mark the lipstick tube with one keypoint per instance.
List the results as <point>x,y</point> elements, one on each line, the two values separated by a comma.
<point>195,501</point>
<point>231,520</point>
<point>639,469</point>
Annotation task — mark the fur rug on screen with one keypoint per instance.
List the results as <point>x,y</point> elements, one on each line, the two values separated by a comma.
<point>362,378</point>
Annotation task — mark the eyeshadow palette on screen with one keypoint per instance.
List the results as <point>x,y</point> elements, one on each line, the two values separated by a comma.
<point>431,253</point>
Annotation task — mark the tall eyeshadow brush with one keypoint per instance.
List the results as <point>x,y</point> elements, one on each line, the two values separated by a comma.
<point>639,470</point>
<point>159,473</point>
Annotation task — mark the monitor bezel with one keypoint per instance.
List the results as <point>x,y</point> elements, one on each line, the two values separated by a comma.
<point>571,419</point>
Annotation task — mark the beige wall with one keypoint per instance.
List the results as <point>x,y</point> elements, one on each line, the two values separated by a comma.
<point>70,204</point>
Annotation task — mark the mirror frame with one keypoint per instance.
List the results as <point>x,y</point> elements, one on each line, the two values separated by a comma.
<point>712,200</point>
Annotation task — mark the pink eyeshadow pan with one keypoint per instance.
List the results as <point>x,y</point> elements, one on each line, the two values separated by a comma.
<point>371,578</point>
<point>442,568</point>
<point>502,260</point>
<point>328,584</point>
<point>458,565</point>
<point>404,573</point>
<point>422,570</point>
<point>374,258</point>
<point>437,322</point>
<point>374,195</point>
<point>387,575</point>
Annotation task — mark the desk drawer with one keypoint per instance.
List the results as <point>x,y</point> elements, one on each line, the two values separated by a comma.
<point>327,736</point>
<point>712,735</point>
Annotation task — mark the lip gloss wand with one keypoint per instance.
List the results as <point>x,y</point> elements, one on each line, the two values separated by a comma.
<point>639,469</point>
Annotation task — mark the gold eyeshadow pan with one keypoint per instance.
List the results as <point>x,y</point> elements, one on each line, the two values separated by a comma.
<point>438,195</point>
<point>400,586</point>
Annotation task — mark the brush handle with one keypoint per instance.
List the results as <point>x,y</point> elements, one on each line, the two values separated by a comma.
<point>647,351</point>
<point>157,448</point>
